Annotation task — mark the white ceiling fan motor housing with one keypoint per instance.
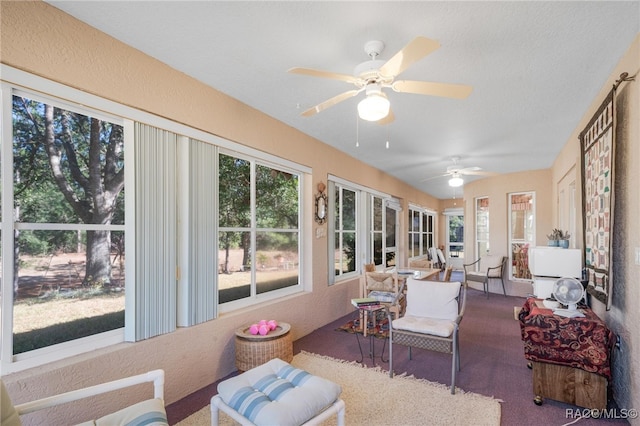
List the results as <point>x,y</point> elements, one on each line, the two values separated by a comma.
<point>368,70</point>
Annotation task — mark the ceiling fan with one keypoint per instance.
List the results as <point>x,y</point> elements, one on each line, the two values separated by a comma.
<point>374,75</point>
<point>456,171</point>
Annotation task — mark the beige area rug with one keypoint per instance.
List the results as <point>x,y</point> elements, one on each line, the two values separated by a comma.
<point>372,398</point>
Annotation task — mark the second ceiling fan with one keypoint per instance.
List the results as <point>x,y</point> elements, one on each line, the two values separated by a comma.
<point>374,75</point>
<point>456,171</point>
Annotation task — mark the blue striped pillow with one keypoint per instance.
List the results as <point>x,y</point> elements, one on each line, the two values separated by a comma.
<point>248,400</point>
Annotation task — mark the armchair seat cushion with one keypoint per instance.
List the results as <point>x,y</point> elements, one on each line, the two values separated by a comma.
<point>436,327</point>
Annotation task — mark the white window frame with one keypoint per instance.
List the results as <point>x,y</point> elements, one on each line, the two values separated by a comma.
<point>385,204</point>
<point>392,204</point>
<point>15,82</point>
<point>274,294</point>
<point>421,232</point>
<point>373,232</point>
<point>475,221</point>
<point>332,234</point>
<point>364,253</point>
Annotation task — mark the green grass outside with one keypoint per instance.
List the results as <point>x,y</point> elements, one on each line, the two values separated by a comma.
<point>64,332</point>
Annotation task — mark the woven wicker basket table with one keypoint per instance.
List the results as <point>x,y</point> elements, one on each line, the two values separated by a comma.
<point>253,350</point>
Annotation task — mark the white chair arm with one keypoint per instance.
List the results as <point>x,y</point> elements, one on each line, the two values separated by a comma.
<point>155,376</point>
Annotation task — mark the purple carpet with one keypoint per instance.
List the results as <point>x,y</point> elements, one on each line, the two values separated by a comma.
<point>492,363</point>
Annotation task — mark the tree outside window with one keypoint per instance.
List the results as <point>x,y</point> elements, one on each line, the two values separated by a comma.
<point>345,230</point>
<point>259,229</point>
<point>68,187</point>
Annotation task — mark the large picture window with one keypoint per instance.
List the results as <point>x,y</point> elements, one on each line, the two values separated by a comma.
<point>259,228</point>
<point>64,252</point>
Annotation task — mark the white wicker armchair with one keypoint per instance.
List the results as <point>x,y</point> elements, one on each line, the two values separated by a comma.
<point>431,321</point>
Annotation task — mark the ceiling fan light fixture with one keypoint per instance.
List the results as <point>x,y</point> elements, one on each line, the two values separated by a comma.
<point>375,106</point>
<point>456,181</point>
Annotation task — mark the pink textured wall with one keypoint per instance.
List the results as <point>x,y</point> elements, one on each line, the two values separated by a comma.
<point>497,188</point>
<point>42,40</point>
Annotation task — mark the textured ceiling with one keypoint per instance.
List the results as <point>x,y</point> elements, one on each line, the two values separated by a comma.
<point>534,66</point>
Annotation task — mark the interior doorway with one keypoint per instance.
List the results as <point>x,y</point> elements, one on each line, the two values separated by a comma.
<point>454,248</point>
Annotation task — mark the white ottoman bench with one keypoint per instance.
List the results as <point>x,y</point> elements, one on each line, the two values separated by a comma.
<point>276,393</point>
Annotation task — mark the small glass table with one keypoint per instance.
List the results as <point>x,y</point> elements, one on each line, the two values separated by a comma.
<point>364,313</point>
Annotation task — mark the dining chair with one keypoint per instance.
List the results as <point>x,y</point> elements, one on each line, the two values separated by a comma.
<point>447,273</point>
<point>420,264</point>
<point>384,287</point>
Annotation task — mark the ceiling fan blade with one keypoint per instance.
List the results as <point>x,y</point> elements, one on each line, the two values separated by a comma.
<point>436,177</point>
<point>478,173</point>
<point>390,118</point>
<point>468,170</point>
<point>330,102</point>
<point>417,49</point>
<point>323,74</point>
<point>447,90</point>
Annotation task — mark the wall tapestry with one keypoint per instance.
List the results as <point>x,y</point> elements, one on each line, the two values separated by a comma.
<point>597,143</point>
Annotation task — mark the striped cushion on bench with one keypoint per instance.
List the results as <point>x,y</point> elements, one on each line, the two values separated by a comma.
<point>277,393</point>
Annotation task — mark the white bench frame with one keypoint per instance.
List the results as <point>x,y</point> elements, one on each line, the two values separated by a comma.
<point>155,376</point>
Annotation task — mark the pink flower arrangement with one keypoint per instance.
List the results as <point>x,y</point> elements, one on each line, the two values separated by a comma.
<point>263,327</point>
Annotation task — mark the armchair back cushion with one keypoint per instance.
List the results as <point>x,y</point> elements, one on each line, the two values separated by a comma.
<point>432,299</point>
